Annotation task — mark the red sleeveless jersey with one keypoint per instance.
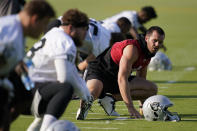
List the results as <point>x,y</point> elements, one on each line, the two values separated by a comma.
<point>117,51</point>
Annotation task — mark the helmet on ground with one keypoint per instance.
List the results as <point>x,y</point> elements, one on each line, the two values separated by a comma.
<point>62,125</point>
<point>160,62</point>
<point>155,109</point>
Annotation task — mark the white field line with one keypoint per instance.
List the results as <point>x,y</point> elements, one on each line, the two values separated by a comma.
<point>171,82</point>
<point>107,122</point>
<point>188,119</point>
<point>189,68</point>
<point>98,128</point>
<point>164,87</point>
<point>116,105</point>
<point>93,113</point>
<point>116,109</point>
<point>31,117</point>
<point>185,98</point>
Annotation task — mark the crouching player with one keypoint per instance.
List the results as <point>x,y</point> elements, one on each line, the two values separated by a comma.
<point>55,74</point>
<point>111,73</point>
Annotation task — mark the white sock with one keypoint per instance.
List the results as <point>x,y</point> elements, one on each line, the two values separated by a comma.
<point>35,125</point>
<point>47,121</point>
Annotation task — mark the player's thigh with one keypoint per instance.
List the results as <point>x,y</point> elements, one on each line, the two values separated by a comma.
<point>138,83</point>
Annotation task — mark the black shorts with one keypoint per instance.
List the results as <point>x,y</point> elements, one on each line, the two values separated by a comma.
<point>110,82</point>
<point>4,107</point>
<point>51,98</point>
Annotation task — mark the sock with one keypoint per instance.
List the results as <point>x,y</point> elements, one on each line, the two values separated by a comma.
<point>47,121</point>
<point>35,125</point>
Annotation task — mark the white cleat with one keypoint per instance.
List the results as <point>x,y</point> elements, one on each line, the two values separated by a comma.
<point>35,125</point>
<point>108,104</point>
<point>82,112</point>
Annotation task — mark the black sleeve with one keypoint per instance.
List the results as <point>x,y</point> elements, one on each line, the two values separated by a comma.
<point>54,23</point>
<point>22,2</point>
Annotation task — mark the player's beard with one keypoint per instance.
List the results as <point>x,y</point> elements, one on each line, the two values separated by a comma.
<point>78,42</point>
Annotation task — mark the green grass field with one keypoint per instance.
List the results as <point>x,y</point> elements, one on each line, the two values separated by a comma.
<point>178,18</point>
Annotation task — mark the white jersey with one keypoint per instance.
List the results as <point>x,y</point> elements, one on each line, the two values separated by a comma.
<point>11,42</point>
<point>54,60</point>
<point>112,27</point>
<point>97,39</point>
<point>130,15</point>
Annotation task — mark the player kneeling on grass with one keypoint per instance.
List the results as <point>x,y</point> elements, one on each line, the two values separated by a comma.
<point>55,74</point>
<point>111,73</point>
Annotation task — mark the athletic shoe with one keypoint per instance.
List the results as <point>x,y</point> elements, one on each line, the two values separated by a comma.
<point>35,125</point>
<point>83,110</point>
<point>108,104</point>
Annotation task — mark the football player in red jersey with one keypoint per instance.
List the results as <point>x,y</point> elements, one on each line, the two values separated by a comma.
<point>111,73</point>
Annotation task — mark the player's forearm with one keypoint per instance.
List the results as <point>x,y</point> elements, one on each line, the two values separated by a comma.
<point>67,72</point>
<point>125,92</point>
<point>134,33</point>
<point>83,65</point>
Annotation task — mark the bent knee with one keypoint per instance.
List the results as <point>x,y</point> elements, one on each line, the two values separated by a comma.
<point>154,89</point>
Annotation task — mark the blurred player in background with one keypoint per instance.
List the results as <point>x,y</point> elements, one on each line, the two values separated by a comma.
<point>99,37</point>
<point>121,25</point>
<point>111,73</point>
<point>137,19</point>
<point>55,74</point>
<point>8,7</point>
<point>31,22</point>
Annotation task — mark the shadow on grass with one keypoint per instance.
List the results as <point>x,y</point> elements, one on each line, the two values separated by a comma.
<point>175,82</point>
<point>188,115</point>
<point>181,96</point>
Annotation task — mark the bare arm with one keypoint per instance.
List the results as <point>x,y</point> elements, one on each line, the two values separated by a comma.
<point>142,73</point>
<point>83,65</point>
<point>133,33</point>
<point>129,56</point>
<point>163,47</point>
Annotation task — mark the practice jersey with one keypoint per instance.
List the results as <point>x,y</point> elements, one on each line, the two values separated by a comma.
<point>107,63</point>
<point>117,52</point>
<point>54,60</point>
<point>54,45</point>
<point>112,27</point>
<point>97,39</point>
<point>11,43</point>
<point>130,15</point>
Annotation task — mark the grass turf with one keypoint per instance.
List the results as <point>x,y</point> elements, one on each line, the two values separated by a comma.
<point>178,19</point>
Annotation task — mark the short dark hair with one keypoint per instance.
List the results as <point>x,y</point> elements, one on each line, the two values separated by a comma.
<point>124,21</point>
<point>39,7</point>
<point>155,28</point>
<point>150,11</point>
<point>76,18</point>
